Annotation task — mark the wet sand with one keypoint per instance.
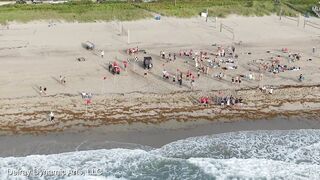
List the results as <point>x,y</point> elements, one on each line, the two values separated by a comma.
<point>138,136</point>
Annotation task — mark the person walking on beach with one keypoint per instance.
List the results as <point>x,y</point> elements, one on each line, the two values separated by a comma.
<point>125,65</point>
<point>51,116</point>
<point>301,78</point>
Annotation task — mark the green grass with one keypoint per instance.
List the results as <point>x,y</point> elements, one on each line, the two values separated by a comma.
<point>80,11</point>
<point>86,11</point>
<point>222,8</point>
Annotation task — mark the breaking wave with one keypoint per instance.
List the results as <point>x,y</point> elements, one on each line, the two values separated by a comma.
<point>293,154</point>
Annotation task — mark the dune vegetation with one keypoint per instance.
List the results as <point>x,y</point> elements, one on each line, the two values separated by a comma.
<point>88,11</point>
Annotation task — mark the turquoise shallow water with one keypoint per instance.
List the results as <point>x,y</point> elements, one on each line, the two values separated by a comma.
<point>291,154</point>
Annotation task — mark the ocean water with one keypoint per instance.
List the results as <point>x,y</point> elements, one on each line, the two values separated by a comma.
<point>261,155</point>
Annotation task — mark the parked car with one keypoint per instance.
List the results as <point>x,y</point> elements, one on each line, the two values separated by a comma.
<point>88,45</point>
<point>147,62</point>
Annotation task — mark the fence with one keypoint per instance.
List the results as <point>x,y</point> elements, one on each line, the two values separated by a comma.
<point>123,31</point>
<point>213,20</point>
<point>295,19</point>
<point>310,23</point>
<point>227,28</point>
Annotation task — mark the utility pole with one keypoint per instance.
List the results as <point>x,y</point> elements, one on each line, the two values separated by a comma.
<point>175,2</point>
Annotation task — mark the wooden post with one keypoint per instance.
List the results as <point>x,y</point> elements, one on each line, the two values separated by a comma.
<point>207,15</point>
<point>220,27</point>
<point>216,21</point>
<point>298,20</point>
<point>304,23</point>
<point>128,36</point>
<point>175,2</point>
<point>280,14</point>
<point>121,28</point>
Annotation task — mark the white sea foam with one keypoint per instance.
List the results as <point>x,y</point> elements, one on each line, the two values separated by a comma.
<point>261,154</point>
<point>256,169</point>
<point>93,178</point>
<point>276,145</point>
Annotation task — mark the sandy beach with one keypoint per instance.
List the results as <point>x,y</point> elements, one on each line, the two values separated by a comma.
<point>36,54</point>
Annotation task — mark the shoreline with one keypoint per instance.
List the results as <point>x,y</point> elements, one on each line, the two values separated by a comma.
<point>138,136</point>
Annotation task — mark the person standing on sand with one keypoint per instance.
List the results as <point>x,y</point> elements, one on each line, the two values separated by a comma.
<point>51,116</point>
<point>62,79</point>
<point>180,81</point>
<point>102,53</point>
<point>192,82</point>
<point>164,73</point>
<point>261,77</point>
<point>40,90</point>
<point>125,64</point>
<point>301,78</point>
